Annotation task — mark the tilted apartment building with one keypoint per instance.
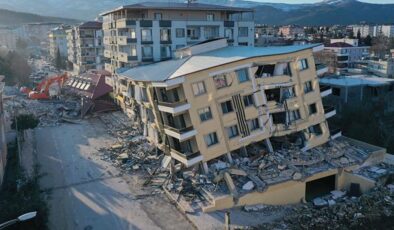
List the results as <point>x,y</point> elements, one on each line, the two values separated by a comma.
<point>88,49</point>
<point>150,32</point>
<point>214,99</point>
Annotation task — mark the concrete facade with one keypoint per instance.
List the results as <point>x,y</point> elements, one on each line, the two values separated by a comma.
<point>85,45</point>
<point>209,113</point>
<point>151,32</point>
<point>58,41</point>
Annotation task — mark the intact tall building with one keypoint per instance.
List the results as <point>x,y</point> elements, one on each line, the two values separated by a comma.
<point>151,32</point>
<point>85,46</point>
<point>58,41</point>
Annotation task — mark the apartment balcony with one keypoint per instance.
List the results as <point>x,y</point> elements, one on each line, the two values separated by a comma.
<point>125,23</point>
<point>109,81</point>
<point>108,67</point>
<point>124,57</point>
<point>335,133</point>
<point>321,69</point>
<point>182,133</point>
<point>325,90</point>
<point>107,53</point>
<point>187,158</point>
<point>125,40</point>
<point>174,107</point>
<point>273,80</point>
<point>329,111</point>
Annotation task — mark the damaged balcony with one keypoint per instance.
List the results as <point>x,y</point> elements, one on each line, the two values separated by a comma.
<point>325,90</point>
<point>280,98</point>
<point>321,69</point>
<point>179,127</point>
<point>335,133</point>
<point>272,74</point>
<point>185,152</point>
<point>172,100</point>
<point>329,111</point>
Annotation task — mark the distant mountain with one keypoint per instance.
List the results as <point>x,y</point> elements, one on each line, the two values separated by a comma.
<point>329,12</point>
<point>12,18</point>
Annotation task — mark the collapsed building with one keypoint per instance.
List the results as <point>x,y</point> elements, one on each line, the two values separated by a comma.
<point>93,91</point>
<point>243,125</point>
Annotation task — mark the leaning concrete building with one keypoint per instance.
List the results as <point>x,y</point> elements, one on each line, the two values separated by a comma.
<point>214,99</point>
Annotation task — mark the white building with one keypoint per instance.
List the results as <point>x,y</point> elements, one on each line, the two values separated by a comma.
<point>8,38</point>
<point>58,41</point>
<point>152,31</point>
<point>348,52</point>
<point>85,46</point>
<point>365,30</point>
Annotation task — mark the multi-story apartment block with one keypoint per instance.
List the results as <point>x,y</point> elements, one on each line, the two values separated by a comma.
<point>347,51</point>
<point>291,31</point>
<point>150,32</point>
<point>364,30</point>
<point>3,142</point>
<point>71,46</point>
<point>8,37</point>
<point>359,89</point>
<point>214,99</point>
<point>58,41</point>
<point>39,31</point>
<point>85,45</point>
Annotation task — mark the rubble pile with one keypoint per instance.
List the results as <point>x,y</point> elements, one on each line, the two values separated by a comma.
<point>49,112</point>
<point>132,151</point>
<point>373,210</point>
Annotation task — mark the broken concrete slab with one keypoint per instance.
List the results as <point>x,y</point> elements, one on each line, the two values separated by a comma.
<point>248,186</point>
<point>319,202</point>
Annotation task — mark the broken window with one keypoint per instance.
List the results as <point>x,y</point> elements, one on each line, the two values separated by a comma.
<point>279,118</point>
<point>227,107</point>
<point>273,94</point>
<point>316,129</point>
<point>294,115</point>
<point>253,124</point>
<point>312,109</point>
<point>288,93</point>
<point>265,71</point>
<point>308,87</point>
<point>211,139</point>
<point>248,100</point>
<point>232,131</point>
<point>336,91</point>
<point>205,114</point>
<point>220,81</point>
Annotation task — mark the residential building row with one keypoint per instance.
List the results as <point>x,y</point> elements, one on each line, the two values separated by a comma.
<point>58,41</point>
<point>373,30</point>
<point>214,99</point>
<point>151,32</point>
<point>85,47</point>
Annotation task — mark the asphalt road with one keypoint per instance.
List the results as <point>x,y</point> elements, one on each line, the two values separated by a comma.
<point>87,193</point>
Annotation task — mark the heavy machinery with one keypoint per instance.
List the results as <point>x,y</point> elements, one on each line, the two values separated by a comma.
<point>47,88</point>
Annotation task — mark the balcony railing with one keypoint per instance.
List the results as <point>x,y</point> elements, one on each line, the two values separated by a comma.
<point>172,104</point>
<point>328,108</point>
<point>179,130</point>
<point>187,155</point>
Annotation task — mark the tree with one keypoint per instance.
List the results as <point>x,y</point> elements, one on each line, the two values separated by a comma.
<point>59,62</point>
<point>21,44</point>
<point>380,46</point>
<point>15,68</point>
<point>351,34</point>
<point>359,35</point>
<point>25,121</point>
<point>368,40</point>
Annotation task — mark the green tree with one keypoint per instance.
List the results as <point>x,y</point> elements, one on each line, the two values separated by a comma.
<point>25,121</point>
<point>368,40</point>
<point>359,35</point>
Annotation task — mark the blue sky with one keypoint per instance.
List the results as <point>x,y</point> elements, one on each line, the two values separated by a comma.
<point>313,1</point>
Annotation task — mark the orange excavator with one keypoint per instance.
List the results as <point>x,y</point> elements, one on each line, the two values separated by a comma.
<point>47,88</point>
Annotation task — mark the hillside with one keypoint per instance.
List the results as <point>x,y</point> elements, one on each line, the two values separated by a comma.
<point>343,12</point>
<point>10,18</point>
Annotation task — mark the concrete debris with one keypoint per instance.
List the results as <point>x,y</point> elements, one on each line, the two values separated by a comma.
<point>297,176</point>
<point>254,208</point>
<point>319,202</point>
<point>248,186</point>
<point>220,165</point>
<point>336,194</point>
<point>375,207</point>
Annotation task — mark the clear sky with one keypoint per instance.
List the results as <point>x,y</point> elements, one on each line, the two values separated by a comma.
<point>313,1</point>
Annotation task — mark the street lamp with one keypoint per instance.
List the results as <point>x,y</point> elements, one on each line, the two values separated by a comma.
<point>21,218</point>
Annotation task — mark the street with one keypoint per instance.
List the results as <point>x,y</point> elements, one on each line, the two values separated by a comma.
<point>88,193</point>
